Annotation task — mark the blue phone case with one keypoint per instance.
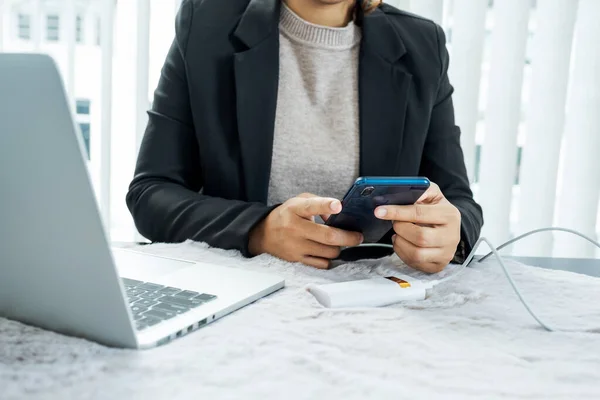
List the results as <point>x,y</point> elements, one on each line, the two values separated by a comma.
<point>368,193</point>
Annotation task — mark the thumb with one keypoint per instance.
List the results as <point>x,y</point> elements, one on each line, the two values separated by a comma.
<point>432,195</point>
<point>310,207</point>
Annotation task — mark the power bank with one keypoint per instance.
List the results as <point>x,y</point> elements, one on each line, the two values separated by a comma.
<point>373,292</point>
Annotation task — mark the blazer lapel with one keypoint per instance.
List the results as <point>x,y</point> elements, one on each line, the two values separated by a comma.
<point>383,92</point>
<point>256,80</point>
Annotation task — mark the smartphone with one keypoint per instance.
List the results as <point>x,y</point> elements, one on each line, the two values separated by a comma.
<point>368,193</point>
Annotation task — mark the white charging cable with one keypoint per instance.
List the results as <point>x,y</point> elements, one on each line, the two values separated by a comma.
<point>495,250</point>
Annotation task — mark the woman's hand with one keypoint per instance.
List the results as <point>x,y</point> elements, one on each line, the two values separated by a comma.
<point>290,233</point>
<point>427,233</point>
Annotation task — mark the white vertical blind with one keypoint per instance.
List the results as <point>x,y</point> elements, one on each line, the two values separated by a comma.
<point>3,14</point>
<point>468,33</point>
<point>69,29</point>
<point>552,43</point>
<point>503,113</point>
<point>142,68</point>
<point>37,24</point>
<point>107,23</point>
<point>579,195</point>
<point>142,72</point>
<point>432,9</point>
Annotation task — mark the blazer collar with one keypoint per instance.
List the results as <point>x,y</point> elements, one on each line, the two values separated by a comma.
<point>380,36</point>
<point>259,21</point>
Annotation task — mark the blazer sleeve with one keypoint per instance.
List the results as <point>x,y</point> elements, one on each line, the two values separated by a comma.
<point>443,159</point>
<point>164,197</point>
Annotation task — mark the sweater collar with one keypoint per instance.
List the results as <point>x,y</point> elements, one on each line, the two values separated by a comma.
<point>317,35</point>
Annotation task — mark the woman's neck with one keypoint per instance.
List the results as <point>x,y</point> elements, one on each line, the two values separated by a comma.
<point>319,12</point>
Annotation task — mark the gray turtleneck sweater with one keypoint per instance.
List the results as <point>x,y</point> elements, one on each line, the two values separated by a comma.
<point>316,142</point>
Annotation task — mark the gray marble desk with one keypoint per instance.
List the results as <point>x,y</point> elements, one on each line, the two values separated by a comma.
<point>466,341</point>
<point>585,266</point>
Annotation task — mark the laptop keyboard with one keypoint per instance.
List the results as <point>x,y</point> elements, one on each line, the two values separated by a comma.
<point>151,303</point>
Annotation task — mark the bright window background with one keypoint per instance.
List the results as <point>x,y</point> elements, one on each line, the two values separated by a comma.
<point>71,31</point>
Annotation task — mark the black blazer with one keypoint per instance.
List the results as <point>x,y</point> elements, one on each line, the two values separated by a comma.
<point>204,163</point>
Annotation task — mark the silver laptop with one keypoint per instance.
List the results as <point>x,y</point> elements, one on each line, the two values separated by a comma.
<point>57,270</point>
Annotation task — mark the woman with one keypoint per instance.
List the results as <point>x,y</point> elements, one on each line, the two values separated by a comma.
<point>263,102</point>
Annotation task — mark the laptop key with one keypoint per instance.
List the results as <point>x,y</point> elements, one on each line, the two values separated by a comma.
<point>138,309</point>
<point>135,292</point>
<point>137,317</point>
<point>188,294</point>
<point>167,291</point>
<point>132,299</point>
<point>190,303</point>
<point>174,308</point>
<point>145,302</point>
<point>150,321</point>
<point>131,282</point>
<point>140,326</point>
<point>160,314</point>
<point>205,297</point>
<point>151,287</point>
<point>150,295</point>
